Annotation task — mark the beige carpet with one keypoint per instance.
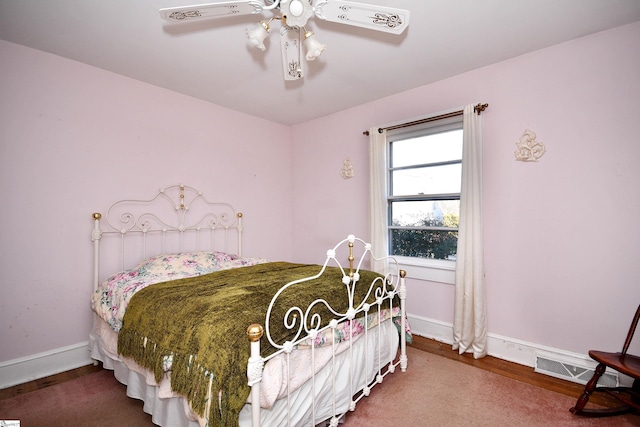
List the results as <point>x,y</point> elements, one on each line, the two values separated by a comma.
<point>434,392</point>
<point>440,392</point>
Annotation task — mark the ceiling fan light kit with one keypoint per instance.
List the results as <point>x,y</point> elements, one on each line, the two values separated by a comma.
<point>314,47</point>
<point>294,15</point>
<point>258,33</point>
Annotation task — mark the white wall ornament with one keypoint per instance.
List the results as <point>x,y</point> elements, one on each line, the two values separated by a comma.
<point>347,169</point>
<point>529,150</point>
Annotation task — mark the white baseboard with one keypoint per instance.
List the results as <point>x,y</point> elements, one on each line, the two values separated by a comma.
<point>25,369</point>
<point>19,371</point>
<point>510,349</point>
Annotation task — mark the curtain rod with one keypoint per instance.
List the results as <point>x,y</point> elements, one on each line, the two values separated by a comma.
<point>479,108</point>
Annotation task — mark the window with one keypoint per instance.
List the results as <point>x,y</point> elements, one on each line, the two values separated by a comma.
<point>423,201</point>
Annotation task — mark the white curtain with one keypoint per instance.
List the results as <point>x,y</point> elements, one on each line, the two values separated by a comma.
<point>470,318</point>
<point>378,197</point>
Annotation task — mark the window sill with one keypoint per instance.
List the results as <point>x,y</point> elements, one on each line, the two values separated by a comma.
<point>429,270</point>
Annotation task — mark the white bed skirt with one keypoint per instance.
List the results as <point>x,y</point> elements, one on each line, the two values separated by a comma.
<point>170,410</point>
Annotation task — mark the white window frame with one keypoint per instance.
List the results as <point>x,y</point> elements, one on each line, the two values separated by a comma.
<point>434,270</point>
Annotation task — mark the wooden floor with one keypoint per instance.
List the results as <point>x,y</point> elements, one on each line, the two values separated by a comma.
<point>48,381</point>
<point>492,364</point>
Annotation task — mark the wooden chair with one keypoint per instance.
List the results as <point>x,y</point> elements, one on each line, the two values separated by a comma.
<point>627,364</point>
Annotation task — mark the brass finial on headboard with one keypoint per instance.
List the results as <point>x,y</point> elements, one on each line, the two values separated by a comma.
<point>255,332</point>
<point>181,196</point>
<point>351,259</point>
<point>97,216</point>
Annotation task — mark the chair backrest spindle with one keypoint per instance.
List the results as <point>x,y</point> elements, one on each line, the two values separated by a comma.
<point>632,331</point>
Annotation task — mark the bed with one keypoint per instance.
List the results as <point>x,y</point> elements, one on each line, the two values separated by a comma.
<point>206,336</point>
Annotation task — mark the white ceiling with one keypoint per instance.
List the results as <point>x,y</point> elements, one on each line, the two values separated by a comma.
<point>211,60</point>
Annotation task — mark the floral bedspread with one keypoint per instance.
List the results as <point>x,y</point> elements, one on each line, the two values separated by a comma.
<point>346,331</point>
<point>112,297</point>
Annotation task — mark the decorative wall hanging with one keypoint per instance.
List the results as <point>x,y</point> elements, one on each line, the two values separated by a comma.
<point>347,169</point>
<point>529,150</point>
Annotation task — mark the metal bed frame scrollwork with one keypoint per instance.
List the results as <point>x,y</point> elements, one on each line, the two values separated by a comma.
<point>307,326</point>
<point>179,218</point>
<point>178,210</point>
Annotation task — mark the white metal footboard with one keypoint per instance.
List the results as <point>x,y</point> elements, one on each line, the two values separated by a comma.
<point>307,327</point>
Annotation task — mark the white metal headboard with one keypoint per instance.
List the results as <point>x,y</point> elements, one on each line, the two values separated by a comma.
<point>176,219</point>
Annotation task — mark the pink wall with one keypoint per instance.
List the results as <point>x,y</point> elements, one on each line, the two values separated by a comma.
<point>75,138</point>
<point>562,236</point>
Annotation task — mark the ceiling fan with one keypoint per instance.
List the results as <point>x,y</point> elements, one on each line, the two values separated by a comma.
<point>294,15</point>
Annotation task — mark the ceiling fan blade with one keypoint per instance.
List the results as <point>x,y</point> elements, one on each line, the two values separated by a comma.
<point>379,18</point>
<point>291,46</point>
<point>211,10</point>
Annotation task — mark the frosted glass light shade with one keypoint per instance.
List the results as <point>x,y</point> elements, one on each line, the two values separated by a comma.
<point>257,34</point>
<point>314,47</point>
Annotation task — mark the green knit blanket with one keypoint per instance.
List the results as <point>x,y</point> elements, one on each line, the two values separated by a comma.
<point>201,323</point>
